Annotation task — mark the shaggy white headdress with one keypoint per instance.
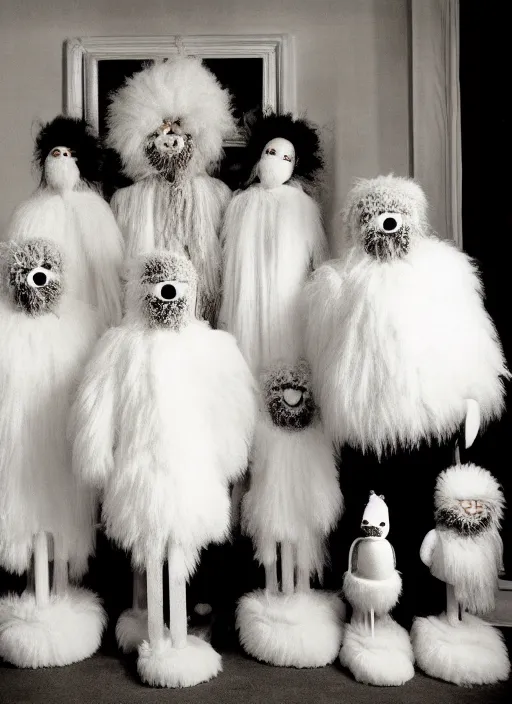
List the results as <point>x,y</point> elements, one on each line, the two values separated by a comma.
<point>391,193</point>
<point>469,482</point>
<point>181,89</point>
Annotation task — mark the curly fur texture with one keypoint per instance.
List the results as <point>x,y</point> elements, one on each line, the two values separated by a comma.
<point>470,653</point>
<point>301,630</point>
<point>178,408</point>
<point>154,215</point>
<point>161,665</point>
<point>181,89</point>
<point>66,631</point>
<point>280,380</point>
<point>41,359</point>
<point>381,595</point>
<point>300,132</point>
<point>397,346</point>
<point>271,241</point>
<point>385,660</point>
<point>82,226</point>
<point>77,135</point>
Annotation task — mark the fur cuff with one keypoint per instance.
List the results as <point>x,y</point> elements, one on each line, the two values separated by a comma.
<point>365,594</point>
<point>161,665</point>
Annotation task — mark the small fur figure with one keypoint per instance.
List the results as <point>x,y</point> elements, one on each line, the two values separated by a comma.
<point>465,551</point>
<point>168,123</point>
<point>272,238</point>
<point>68,209</point>
<point>379,653</point>
<point>162,423</point>
<point>293,502</point>
<point>45,512</point>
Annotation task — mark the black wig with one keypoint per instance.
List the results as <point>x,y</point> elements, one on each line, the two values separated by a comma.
<point>75,134</point>
<point>301,133</point>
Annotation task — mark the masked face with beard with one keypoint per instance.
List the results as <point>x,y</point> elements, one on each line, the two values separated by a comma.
<point>169,150</point>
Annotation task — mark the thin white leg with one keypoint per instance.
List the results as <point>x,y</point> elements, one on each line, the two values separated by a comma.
<point>42,573</point>
<point>372,622</point>
<point>60,567</point>
<point>303,570</point>
<point>177,596</point>
<point>155,599</point>
<point>140,595</point>
<point>271,584</point>
<point>287,567</point>
<point>452,606</point>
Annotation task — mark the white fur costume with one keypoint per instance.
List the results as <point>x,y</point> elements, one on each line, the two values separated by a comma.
<point>42,353</point>
<point>378,653</point>
<point>179,100</point>
<point>294,500</point>
<point>69,211</point>
<point>465,551</point>
<point>162,423</point>
<point>399,319</point>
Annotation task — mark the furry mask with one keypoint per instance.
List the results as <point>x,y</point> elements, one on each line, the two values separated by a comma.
<point>77,148</point>
<point>32,275</point>
<point>169,116</point>
<point>302,134</point>
<point>287,393</point>
<point>162,287</point>
<point>468,500</point>
<point>384,214</point>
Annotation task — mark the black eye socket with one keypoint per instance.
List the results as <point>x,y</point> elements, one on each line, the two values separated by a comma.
<point>389,224</point>
<point>39,277</point>
<point>287,158</point>
<point>382,524</point>
<point>271,151</point>
<point>365,523</point>
<point>168,292</point>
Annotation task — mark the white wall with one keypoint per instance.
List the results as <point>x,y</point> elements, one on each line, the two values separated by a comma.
<point>352,72</point>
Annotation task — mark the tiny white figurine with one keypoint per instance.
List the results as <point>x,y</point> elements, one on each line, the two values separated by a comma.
<point>68,209</point>
<point>45,512</point>
<point>465,551</point>
<point>162,423</point>
<point>375,648</point>
<point>293,503</point>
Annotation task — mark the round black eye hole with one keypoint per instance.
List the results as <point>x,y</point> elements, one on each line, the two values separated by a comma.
<point>382,524</point>
<point>389,224</point>
<point>39,278</point>
<point>365,523</point>
<point>271,151</point>
<point>168,292</point>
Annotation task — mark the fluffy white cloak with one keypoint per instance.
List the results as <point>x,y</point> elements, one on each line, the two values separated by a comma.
<point>397,347</point>
<point>41,360</point>
<point>162,423</point>
<point>152,214</point>
<point>83,227</point>
<point>294,493</point>
<point>271,239</point>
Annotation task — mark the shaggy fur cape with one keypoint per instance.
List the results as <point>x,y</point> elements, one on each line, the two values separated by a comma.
<point>397,346</point>
<point>271,239</point>
<point>40,361</point>
<point>162,422</point>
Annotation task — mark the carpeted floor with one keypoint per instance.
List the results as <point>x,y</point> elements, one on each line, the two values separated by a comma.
<point>112,679</point>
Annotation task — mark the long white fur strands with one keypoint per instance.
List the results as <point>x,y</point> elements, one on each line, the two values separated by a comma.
<point>84,229</point>
<point>180,433</point>
<point>271,239</point>
<point>153,214</point>
<point>294,494</point>
<point>411,333</point>
<point>39,367</point>
<point>177,89</point>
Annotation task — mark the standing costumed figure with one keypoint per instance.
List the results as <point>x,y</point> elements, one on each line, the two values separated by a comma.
<point>68,209</point>
<point>162,423</point>
<point>45,512</point>
<point>168,123</point>
<point>272,238</point>
<point>294,501</point>
<point>403,355</point>
<point>375,648</point>
<point>465,551</point>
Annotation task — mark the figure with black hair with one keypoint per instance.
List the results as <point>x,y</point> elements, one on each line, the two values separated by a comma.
<point>68,209</point>
<point>272,238</point>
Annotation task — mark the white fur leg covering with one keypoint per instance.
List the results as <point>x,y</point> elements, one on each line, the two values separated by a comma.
<point>67,630</point>
<point>471,652</point>
<point>161,665</point>
<point>300,630</point>
<point>365,594</point>
<point>387,659</point>
<point>132,629</point>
